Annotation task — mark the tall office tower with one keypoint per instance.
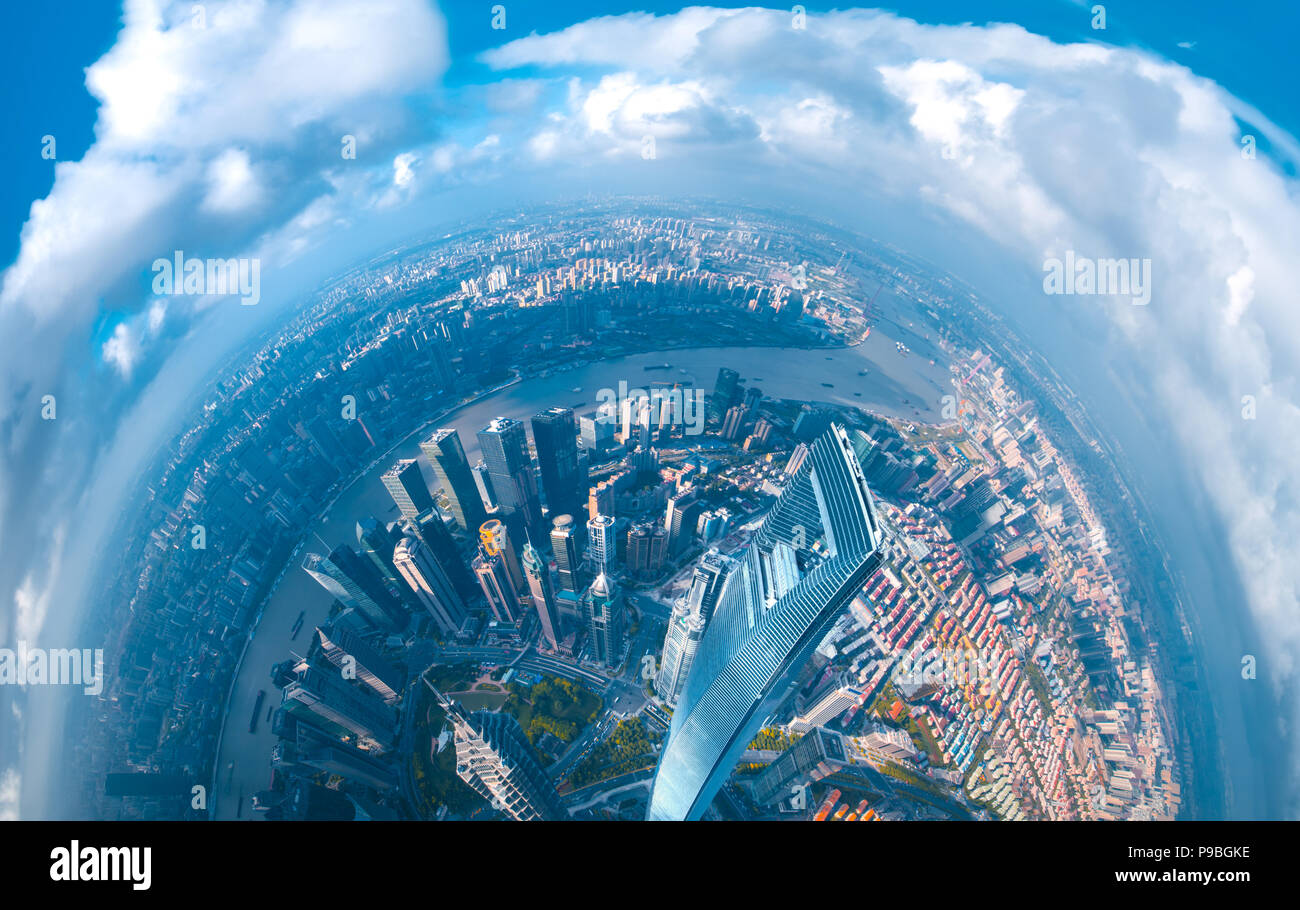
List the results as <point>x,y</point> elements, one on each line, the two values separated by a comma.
<point>682,641</point>
<point>706,529</point>
<point>752,397</point>
<point>597,434</point>
<point>303,744</point>
<point>539,585</point>
<point>806,562</point>
<point>355,584</point>
<point>680,519</point>
<point>647,548</point>
<point>796,459</point>
<point>456,477</point>
<point>555,436</point>
<point>483,482</point>
<point>819,754</point>
<point>498,587</point>
<point>406,485</point>
<point>725,391</point>
<point>356,659</point>
<point>431,529</point>
<point>564,544</point>
<point>495,539</point>
<point>811,423</point>
<point>732,423</point>
<point>827,705</point>
<point>602,545</point>
<point>600,499</point>
<point>377,545</point>
<point>602,610</point>
<point>494,757</point>
<point>328,700</point>
<point>584,477</point>
<point>636,420</point>
<point>707,583</point>
<point>432,586</point>
<point>505,452</point>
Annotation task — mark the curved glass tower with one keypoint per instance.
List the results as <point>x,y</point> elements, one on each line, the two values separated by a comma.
<point>808,560</point>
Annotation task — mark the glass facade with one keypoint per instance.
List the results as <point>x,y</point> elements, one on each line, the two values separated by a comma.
<point>812,555</point>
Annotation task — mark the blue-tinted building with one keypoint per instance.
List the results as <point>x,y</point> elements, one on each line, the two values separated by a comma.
<point>812,555</point>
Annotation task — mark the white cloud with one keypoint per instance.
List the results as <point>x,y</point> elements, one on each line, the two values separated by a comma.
<point>402,170</point>
<point>122,349</point>
<point>232,185</point>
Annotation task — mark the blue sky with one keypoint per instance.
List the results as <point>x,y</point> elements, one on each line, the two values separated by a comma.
<point>984,149</point>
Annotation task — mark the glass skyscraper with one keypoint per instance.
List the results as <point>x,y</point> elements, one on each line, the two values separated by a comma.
<point>456,477</point>
<point>510,469</point>
<point>355,584</point>
<point>555,436</point>
<point>406,485</point>
<point>810,558</point>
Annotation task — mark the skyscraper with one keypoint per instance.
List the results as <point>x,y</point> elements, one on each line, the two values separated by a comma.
<point>598,434</point>
<point>431,529</point>
<point>431,584</point>
<point>346,650</point>
<point>564,544</point>
<point>602,609</point>
<point>495,539</point>
<point>725,391</point>
<point>406,485</point>
<point>817,755</point>
<point>555,437</point>
<point>510,469</point>
<point>647,547</point>
<point>498,586</point>
<point>494,757</point>
<point>483,482</point>
<point>377,545</point>
<point>827,705</point>
<point>602,545</point>
<point>355,584</point>
<point>707,582</point>
<point>681,642</point>
<point>539,585</point>
<point>733,421</point>
<point>680,519</point>
<point>809,558</point>
<point>343,708</point>
<point>456,477</point>
<point>600,499</point>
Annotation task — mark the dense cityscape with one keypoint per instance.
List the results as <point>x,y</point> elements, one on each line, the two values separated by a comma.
<point>521,624</point>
